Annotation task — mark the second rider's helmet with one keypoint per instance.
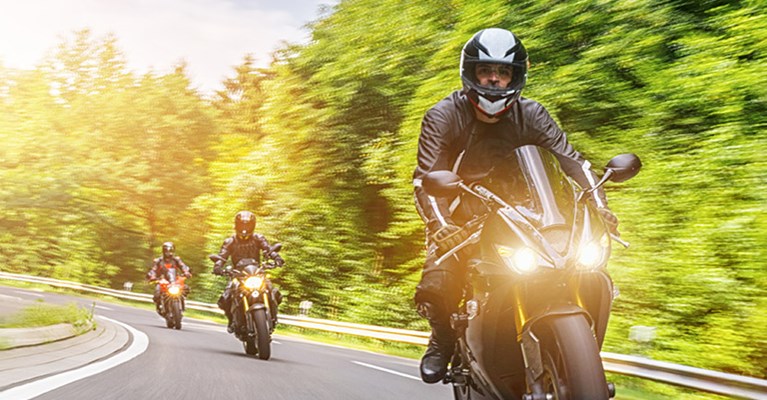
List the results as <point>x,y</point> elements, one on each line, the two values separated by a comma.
<point>244,224</point>
<point>168,250</point>
<point>493,46</point>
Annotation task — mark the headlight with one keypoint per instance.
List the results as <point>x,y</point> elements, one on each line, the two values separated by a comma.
<point>592,254</point>
<point>254,282</point>
<point>523,260</point>
<point>174,289</point>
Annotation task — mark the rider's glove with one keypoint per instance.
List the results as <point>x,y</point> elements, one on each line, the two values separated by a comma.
<point>610,219</point>
<point>218,269</point>
<point>448,237</point>
<point>278,261</point>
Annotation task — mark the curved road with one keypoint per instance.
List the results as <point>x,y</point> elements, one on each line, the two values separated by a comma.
<point>202,361</point>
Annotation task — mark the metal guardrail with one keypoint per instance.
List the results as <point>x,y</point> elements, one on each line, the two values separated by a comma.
<point>674,374</point>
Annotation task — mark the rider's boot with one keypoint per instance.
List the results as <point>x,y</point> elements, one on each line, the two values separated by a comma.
<point>230,324</point>
<point>224,305</point>
<point>439,351</point>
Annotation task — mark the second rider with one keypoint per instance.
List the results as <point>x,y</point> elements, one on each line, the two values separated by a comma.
<point>244,244</point>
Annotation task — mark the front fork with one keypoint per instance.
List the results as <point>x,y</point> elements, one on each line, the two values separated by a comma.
<point>267,304</point>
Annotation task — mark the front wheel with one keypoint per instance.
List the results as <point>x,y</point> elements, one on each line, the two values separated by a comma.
<point>262,334</point>
<point>177,314</point>
<point>572,368</point>
<point>250,340</point>
<point>167,313</point>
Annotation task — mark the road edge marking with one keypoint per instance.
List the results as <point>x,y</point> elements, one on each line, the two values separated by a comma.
<point>33,389</point>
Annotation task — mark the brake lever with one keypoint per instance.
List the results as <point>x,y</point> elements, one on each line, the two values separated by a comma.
<point>618,239</point>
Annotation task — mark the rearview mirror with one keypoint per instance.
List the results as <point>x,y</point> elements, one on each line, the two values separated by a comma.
<point>623,167</point>
<point>441,183</point>
<point>276,248</point>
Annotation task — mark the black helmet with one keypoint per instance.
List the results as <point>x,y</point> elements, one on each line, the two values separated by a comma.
<point>168,250</point>
<point>493,46</point>
<point>244,224</point>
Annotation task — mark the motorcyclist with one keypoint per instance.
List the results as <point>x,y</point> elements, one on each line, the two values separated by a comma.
<point>160,267</point>
<point>244,244</point>
<point>468,132</point>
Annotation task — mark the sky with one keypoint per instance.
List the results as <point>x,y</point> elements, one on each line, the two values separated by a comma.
<point>211,36</point>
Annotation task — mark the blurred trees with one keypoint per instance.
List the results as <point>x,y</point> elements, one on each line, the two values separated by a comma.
<point>100,166</point>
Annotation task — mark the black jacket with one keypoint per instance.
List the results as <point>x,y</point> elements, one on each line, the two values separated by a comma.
<point>160,267</point>
<point>239,249</point>
<point>452,138</point>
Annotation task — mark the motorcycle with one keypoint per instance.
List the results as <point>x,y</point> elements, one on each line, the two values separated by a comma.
<point>254,306</point>
<point>538,295</point>
<point>173,298</point>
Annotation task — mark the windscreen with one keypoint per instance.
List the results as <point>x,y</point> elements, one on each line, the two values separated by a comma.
<point>531,180</point>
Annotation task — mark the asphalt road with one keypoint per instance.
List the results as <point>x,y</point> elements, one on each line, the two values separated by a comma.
<point>202,361</point>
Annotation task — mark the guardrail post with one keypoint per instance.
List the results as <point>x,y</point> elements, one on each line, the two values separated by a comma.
<point>304,307</point>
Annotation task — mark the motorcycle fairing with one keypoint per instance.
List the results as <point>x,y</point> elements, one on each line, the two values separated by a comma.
<point>547,218</point>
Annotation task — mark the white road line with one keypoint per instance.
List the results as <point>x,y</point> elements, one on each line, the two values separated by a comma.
<point>103,308</point>
<point>30,294</point>
<point>214,328</point>
<point>14,298</point>
<point>36,388</point>
<point>396,359</point>
<point>387,370</point>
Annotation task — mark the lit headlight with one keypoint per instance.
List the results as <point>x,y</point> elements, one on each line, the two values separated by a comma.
<point>254,282</point>
<point>592,254</point>
<point>174,289</point>
<point>523,260</point>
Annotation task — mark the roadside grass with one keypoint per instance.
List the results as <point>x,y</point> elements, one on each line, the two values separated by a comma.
<point>630,388</point>
<point>42,314</point>
<point>627,388</point>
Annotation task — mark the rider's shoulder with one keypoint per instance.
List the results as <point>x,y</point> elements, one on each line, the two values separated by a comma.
<point>229,240</point>
<point>453,102</point>
<point>529,105</point>
<point>157,260</point>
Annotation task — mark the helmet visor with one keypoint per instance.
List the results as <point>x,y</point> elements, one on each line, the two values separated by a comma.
<point>495,80</point>
<point>245,227</point>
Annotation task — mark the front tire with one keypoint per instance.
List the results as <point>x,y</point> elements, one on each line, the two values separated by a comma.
<point>177,314</point>
<point>572,367</point>
<point>262,334</point>
<point>167,313</point>
<point>250,340</point>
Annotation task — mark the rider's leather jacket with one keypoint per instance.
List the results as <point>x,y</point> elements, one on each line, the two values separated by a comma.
<point>160,267</point>
<point>452,138</point>
<point>239,249</point>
